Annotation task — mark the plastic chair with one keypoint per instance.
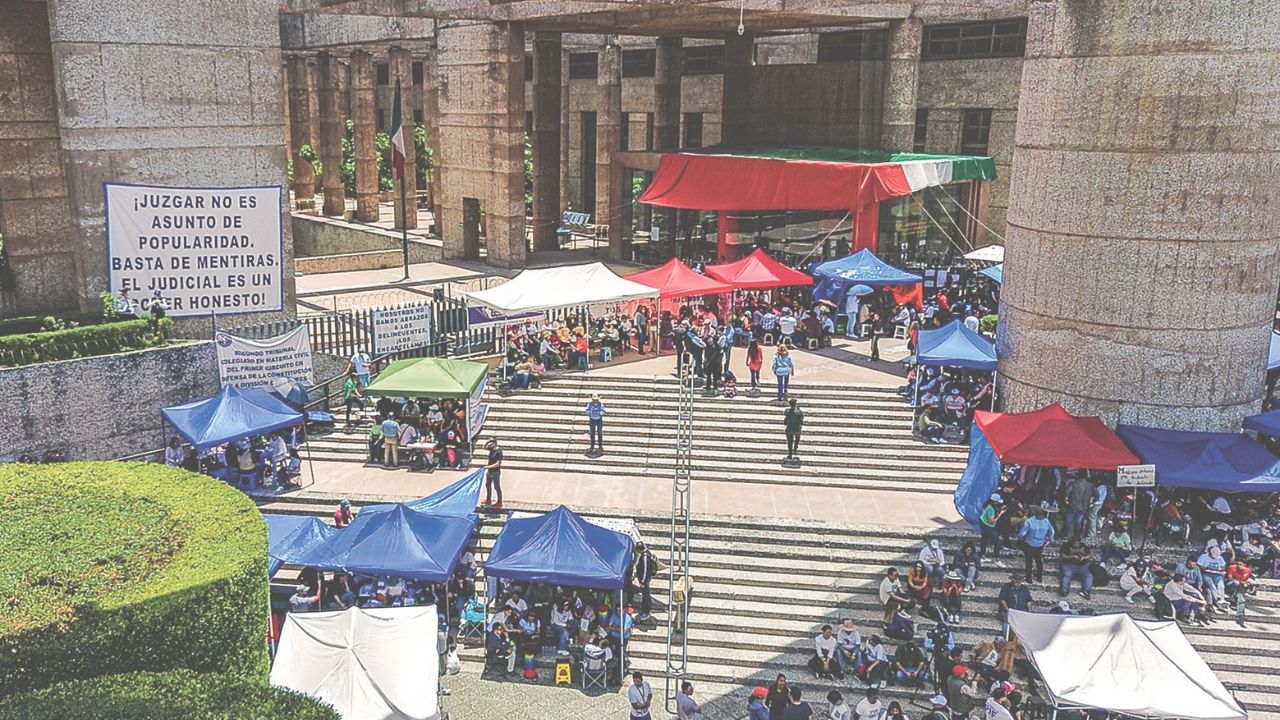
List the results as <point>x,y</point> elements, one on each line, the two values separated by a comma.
<point>899,332</point>
<point>769,338</point>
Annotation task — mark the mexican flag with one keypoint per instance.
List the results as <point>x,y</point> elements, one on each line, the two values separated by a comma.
<point>397,136</point>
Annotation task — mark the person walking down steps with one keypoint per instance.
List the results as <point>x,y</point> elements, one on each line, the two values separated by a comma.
<point>493,475</point>
<point>595,423</point>
<point>792,422</point>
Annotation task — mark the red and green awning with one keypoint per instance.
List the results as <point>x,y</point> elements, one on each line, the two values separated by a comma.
<point>808,178</point>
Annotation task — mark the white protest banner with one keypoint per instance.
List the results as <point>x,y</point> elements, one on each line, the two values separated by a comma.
<point>401,329</point>
<point>477,412</point>
<point>1136,476</point>
<point>196,250</point>
<point>253,363</point>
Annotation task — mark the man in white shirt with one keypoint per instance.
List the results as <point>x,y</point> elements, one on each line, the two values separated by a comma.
<point>359,362</point>
<point>870,707</point>
<point>934,559</point>
<point>824,663</point>
<point>640,695</point>
<point>995,708</point>
<point>837,708</point>
<point>971,321</point>
<point>787,325</point>
<point>891,595</point>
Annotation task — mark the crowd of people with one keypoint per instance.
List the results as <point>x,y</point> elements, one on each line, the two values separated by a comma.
<point>270,459</point>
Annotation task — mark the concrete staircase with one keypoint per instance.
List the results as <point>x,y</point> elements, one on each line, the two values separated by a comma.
<point>764,588</point>
<point>854,437</point>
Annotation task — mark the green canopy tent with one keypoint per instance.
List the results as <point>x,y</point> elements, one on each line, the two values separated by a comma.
<point>437,378</point>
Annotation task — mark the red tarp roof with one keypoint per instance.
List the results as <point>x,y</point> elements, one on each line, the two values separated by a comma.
<point>675,280</point>
<point>758,270</point>
<point>729,182</point>
<point>1053,437</point>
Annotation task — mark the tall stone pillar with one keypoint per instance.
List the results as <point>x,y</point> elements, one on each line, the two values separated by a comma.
<point>402,68</point>
<point>364,123</point>
<point>608,141</point>
<point>332,126</point>
<point>735,105</point>
<point>1143,249</point>
<point>546,139</point>
<point>431,123</point>
<point>482,138</point>
<point>668,69</point>
<point>565,117</point>
<point>304,180</point>
<point>902,80</point>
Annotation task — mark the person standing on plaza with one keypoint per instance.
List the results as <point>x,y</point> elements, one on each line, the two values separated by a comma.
<point>779,696</point>
<point>646,567</point>
<point>595,423</point>
<point>1036,534</point>
<point>796,708</point>
<point>874,324</point>
<point>640,325</point>
<point>755,359</point>
<point>390,441</point>
<point>640,695</point>
<point>792,422</point>
<point>783,367</point>
<point>359,364</point>
<point>756,709</point>
<point>493,474</point>
<point>1080,494</point>
<point>686,706</point>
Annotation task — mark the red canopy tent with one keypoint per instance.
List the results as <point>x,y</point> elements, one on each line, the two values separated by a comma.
<point>1053,437</point>
<point>757,271</point>
<point>676,280</point>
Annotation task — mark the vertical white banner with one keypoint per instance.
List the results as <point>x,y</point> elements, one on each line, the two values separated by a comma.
<point>196,250</point>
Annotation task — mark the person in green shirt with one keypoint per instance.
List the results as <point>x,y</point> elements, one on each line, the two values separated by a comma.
<point>351,394</point>
<point>1118,544</point>
<point>991,514</point>
<point>929,427</point>
<point>375,440</point>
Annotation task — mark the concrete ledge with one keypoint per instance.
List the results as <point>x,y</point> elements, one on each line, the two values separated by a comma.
<point>318,235</point>
<point>368,260</point>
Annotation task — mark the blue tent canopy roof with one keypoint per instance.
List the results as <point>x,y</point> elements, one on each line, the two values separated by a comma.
<point>232,414</point>
<point>457,498</point>
<point>560,547</point>
<point>1266,423</point>
<point>954,345</point>
<point>832,279</point>
<point>400,542</point>
<point>289,536</point>
<point>1227,462</point>
<point>995,273</point>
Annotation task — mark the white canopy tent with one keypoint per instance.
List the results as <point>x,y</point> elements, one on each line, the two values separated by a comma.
<point>378,664</point>
<point>556,287</point>
<point>987,253</point>
<point>1144,668</point>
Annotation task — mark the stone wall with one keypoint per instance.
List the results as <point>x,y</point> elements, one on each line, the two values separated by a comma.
<point>114,408</point>
<point>819,104</point>
<point>317,236</point>
<point>35,213</point>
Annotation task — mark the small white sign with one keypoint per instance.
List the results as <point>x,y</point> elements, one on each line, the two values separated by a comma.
<point>1135,476</point>
<point>402,329</point>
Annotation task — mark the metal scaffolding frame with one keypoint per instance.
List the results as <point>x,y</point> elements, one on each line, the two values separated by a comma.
<point>679,583</point>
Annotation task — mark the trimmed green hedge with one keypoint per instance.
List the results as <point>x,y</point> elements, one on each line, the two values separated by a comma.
<point>85,341</point>
<point>33,323</point>
<point>174,695</point>
<point>120,567</point>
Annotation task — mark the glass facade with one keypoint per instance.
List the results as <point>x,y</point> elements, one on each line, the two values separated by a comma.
<point>915,231</point>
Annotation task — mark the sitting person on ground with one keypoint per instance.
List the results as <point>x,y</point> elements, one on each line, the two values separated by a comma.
<point>929,428</point>
<point>919,583</point>
<point>561,620</point>
<point>848,645</point>
<point>498,647</point>
<point>1075,557</point>
<point>824,663</point>
<point>986,658</point>
<point>1118,545</point>
<point>530,633</point>
<point>1213,572</point>
<point>1014,595</point>
<point>901,627</point>
<point>892,596</point>
<point>1187,602</point>
<point>520,373</point>
<point>967,563</point>
<point>303,600</point>
<point>875,663</point>
<point>537,372</point>
<point>1175,522</point>
<point>961,692</point>
<point>1136,580</point>
<point>909,664</point>
<point>342,517</point>
<point>870,707</point>
<point>953,586</point>
<point>934,559</point>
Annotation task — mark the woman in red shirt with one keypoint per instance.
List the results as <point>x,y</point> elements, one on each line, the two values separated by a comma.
<point>755,359</point>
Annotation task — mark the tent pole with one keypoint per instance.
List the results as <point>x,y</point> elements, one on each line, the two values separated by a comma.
<point>311,468</point>
<point>622,638</point>
<point>915,404</point>
<point>995,375</point>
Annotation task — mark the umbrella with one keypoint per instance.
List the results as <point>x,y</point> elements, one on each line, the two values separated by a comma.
<point>860,290</point>
<point>827,303</point>
<point>291,391</point>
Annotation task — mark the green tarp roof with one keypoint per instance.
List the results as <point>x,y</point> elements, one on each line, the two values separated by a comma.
<point>429,377</point>
<point>963,167</point>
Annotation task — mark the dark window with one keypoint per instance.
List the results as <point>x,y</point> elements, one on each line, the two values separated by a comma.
<point>692,130</point>
<point>583,66</point>
<point>417,117</point>
<point>922,129</point>
<point>639,63</point>
<point>853,45</point>
<point>383,71</point>
<point>624,132</point>
<point>382,121</point>
<point>975,133</point>
<point>965,41</point>
<point>528,67</point>
<point>528,121</point>
<point>417,73</point>
<point>648,131</point>
<point>703,60</point>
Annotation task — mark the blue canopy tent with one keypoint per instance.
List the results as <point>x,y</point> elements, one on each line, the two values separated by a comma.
<point>562,548</point>
<point>1273,355</point>
<point>289,536</point>
<point>400,542</point>
<point>833,279</point>
<point>1224,462</point>
<point>461,497</point>
<point>1267,423</point>
<point>232,414</point>
<point>954,345</point>
<point>995,273</point>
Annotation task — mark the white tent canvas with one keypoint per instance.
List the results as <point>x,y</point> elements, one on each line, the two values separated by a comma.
<point>378,664</point>
<point>987,253</point>
<point>1113,662</point>
<point>549,288</point>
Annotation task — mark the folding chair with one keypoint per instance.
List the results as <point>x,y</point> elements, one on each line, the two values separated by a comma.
<point>471,625</point>
<point>594,672</point>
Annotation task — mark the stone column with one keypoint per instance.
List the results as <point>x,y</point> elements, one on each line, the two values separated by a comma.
<point>431,122</point>
<point>482,137</point>
<point>546,139</point>
<point>364,123</point>
<point>608,140</point>
<point>331,132</point>
<point>304,180</point>
<point>735,105</point>
<point>668,70</point>
<point>565,117</point>
<point>902,79</point>
<point>1142,255</point>
<point>402,68</point>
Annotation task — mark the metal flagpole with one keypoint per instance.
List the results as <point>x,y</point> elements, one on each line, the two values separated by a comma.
<point>404,205</point>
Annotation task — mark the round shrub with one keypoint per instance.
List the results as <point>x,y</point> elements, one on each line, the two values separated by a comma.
<point>121,567</point>
<point>173,695</point>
